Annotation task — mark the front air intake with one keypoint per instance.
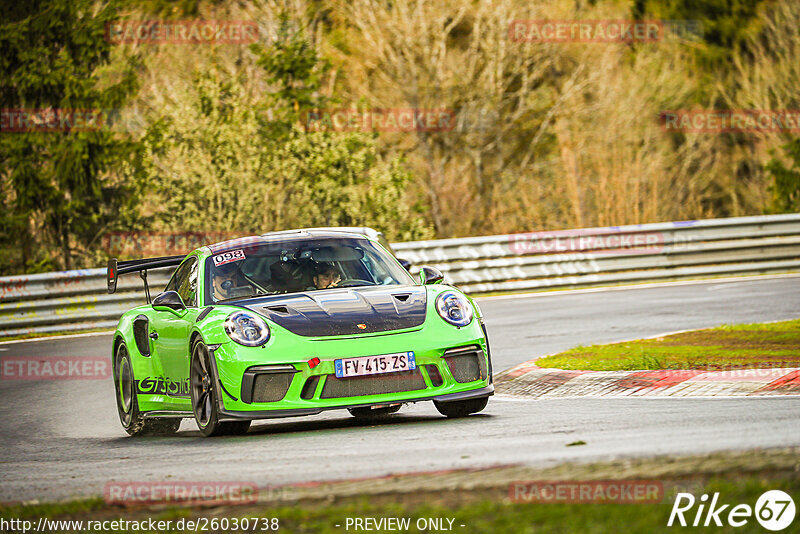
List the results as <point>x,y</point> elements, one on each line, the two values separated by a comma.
<point>271,387</point>
<point>267,383</point>
<point>336,388</point>
<point>434,375</point>
<point>309,388</point>
<point>466,364</point>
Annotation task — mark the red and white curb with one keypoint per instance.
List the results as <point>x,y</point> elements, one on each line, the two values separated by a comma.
<point>528,380</point>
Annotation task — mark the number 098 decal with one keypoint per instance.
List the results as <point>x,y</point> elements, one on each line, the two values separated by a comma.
<point>228,257</point>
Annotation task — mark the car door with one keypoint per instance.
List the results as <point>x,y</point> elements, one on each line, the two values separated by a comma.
<point>171,346</point>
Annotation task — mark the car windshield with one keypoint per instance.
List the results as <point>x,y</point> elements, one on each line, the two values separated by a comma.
<point>289,266</point>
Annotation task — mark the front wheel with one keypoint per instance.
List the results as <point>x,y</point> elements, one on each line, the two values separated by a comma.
<point>133,421</point>
<point>461,408</point>
<point>204,398</point>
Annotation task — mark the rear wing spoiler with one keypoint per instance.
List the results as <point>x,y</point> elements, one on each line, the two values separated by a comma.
<point>117,268</point>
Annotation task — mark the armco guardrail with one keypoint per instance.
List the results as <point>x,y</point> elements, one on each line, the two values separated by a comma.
<point>77,300</point>
<point>593,256</point>
<point>69,301</point>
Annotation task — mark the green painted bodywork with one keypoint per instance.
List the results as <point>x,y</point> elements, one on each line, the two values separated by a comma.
<point>168,365</point>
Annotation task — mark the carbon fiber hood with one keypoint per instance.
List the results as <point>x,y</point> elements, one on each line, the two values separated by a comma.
<point>337,312</point>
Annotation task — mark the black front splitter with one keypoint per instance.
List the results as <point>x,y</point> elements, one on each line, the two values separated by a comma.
<point>273,414</point>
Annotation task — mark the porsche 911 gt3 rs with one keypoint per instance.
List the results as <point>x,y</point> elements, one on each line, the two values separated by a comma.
<point>293,323</point>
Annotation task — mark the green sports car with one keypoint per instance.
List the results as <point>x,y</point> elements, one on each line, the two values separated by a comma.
<point>292,323</point>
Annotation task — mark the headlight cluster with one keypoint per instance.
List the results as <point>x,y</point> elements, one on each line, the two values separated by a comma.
<point>454,308</point>
<point>247,329</point>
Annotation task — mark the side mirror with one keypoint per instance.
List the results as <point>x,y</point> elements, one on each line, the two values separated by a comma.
<point>405,263</point>
<point>169,300</point>
<point>430,275</point>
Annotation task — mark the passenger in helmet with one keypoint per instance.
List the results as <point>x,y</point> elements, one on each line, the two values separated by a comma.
<point>225,280</point>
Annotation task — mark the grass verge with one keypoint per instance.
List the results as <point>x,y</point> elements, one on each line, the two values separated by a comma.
<point>738,477</point>
<point>748,346</point>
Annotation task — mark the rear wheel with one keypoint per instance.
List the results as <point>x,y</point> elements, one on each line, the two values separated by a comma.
<point>204,397</point>
<point>133,421</point>
<point>370,412</point>
<point>461,408</point>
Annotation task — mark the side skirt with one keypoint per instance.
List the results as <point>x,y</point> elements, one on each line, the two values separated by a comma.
<point>167,414</point>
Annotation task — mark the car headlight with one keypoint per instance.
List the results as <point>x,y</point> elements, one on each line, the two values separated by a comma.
<point>454,308</point>
<point>247,329</point>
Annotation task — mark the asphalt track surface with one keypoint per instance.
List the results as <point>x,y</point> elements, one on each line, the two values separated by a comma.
<point>62,439</point>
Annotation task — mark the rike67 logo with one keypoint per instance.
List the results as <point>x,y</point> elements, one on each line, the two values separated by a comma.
<point>774,510</point>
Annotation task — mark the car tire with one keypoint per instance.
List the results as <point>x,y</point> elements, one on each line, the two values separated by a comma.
<point>204,397</point>
<point>368,412</point>
<point>132,419</point>
<point>461,408</point>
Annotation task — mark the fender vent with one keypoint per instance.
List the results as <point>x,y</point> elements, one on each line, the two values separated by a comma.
<point>141,327</point>
<point>203,314</point>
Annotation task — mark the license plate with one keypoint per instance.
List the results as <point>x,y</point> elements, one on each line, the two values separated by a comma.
<point>375,365</point>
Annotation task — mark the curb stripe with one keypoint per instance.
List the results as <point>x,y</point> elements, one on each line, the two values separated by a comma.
<point>787,385</point>
<point>528,380</point>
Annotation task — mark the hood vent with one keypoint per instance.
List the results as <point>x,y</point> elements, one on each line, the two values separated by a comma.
<point>337,312</point>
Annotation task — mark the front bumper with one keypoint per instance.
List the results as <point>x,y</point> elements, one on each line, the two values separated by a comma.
<point>274,414</point>
<point>277,381</point>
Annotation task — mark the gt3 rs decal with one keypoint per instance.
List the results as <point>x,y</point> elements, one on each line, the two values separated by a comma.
<point>228,257</point>
<point>163,386</point>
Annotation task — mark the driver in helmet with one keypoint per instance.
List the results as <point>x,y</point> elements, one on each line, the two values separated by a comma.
<point>326,275</point>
